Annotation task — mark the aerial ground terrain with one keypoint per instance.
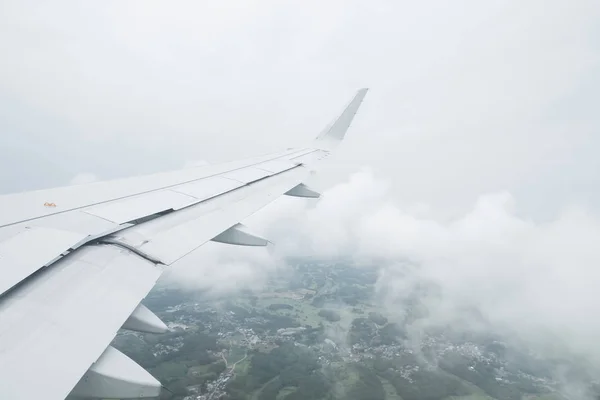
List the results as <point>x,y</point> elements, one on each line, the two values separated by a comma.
<point>321,333</point>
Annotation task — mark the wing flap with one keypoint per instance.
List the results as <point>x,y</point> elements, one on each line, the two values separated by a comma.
<point>29,250</point>
<point>42,322</point>
<point>175,235</point>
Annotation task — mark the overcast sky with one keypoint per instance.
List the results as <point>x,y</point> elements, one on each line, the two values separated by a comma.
<point>480,134</point>
<point>467,97</point>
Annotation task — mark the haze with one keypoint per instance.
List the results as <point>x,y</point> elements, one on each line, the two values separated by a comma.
<point>479,135</point>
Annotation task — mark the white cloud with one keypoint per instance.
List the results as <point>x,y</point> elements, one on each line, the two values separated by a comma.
<point>535,280</point>
<point>83,177</point>
<point>221,269</point>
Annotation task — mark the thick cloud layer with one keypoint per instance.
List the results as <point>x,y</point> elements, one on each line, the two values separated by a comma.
<point>537,282</point>
<point>220,269</point>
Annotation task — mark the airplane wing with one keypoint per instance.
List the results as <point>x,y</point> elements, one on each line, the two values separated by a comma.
<point>76,261</point>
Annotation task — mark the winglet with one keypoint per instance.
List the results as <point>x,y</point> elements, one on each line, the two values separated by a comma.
<point>335,132</point>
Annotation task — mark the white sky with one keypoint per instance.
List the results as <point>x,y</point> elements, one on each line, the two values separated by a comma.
<point>467,97</point>
<point>486,111</point>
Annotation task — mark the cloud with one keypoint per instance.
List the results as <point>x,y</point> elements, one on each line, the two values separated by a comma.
<point>536,281</point>
<point>470,100</point>
<point>489,269</point>
<point>218,269</point>
<point>466,98</point>
<point>83,177</point>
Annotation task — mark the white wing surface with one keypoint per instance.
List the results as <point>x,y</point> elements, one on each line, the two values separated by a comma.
<point>76,262</point>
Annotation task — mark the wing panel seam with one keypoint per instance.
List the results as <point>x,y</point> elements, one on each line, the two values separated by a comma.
<point>145,192</point>
<point>136,251</point>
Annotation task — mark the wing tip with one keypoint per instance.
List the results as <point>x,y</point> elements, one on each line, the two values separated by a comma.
<point>336,132</point>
